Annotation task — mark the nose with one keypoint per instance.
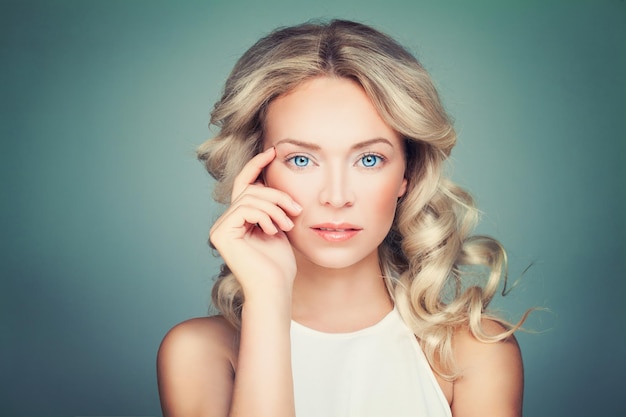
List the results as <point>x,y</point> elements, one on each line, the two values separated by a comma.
<point>337,189</point>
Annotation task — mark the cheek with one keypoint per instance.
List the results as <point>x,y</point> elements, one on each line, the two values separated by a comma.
<point>282,179</point>
<point>385,198</point>
<point>382,196</point>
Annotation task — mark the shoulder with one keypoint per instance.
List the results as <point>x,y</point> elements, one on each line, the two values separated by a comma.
<point>202,333</point>
<point>491,376</point>
<point>469,350</point>
<point>195,366</point>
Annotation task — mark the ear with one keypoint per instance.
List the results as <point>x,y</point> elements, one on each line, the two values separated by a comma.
<point>403,187</point>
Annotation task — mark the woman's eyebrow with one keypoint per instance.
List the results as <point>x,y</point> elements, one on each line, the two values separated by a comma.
<point>308,145</point>
<point>370,142</point>
<point>316,147</point>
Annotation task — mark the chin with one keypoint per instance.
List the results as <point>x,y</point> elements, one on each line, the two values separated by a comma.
<point>336,258</point>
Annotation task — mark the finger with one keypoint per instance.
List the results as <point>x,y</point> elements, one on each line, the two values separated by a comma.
<point>239,222</point>
<point>276,213</point>
<point>252,170</point>
<point>248,210</point>
<point>277,197</point>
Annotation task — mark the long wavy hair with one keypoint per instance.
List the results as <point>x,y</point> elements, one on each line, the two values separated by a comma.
<point>429,250</point>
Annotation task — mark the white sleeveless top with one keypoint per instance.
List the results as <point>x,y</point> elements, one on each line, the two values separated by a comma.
<point>379,371</point>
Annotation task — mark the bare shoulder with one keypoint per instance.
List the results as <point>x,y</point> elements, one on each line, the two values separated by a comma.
<point>195,367</point>
<point>468,349</point>
<point>213,334</point>
<point>491,380</point>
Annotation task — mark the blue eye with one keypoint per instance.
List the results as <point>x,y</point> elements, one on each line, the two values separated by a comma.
<point>370,160</point>
<point>300,161</point>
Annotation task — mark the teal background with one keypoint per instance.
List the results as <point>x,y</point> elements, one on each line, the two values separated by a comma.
<point>105,212</point>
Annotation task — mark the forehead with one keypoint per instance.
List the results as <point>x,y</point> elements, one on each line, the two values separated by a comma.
<point>326,111</point>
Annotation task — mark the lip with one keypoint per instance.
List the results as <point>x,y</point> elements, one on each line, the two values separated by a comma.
<point>336,232</point>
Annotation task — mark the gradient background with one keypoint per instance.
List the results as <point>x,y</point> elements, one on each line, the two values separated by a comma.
<point>105,212</point>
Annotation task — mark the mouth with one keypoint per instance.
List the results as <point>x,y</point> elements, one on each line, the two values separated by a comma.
<point>336,233</point>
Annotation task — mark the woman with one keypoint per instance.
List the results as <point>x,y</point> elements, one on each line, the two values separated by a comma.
<point>345,248</point>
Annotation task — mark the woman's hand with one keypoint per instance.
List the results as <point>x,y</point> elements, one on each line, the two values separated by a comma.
<point>251,238</point>
<point>197,358</point>
<point>250,235</point>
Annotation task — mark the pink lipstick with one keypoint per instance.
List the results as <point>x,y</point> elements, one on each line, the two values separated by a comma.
<point>336,232</point>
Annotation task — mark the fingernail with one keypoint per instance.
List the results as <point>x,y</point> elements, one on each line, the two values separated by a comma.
<point>296,206</point>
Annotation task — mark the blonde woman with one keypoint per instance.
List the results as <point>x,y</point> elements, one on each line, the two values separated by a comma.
<point>342,292</point>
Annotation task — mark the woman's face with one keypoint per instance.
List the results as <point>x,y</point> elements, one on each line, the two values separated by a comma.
<point>342,163</point>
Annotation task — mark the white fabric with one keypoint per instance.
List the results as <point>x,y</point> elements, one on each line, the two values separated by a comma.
<point>379,371</point>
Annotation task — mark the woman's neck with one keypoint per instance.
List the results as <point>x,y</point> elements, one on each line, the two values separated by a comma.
<point>340,300</point>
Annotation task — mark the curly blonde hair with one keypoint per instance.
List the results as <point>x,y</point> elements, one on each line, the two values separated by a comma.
<point>429,248</point>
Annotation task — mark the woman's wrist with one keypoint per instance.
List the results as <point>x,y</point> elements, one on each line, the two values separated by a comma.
<point>271,303</point>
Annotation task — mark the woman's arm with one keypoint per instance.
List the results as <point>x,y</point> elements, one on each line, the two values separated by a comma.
<point>492,376</point>
<point>263,383</point>
<point>199,371</point>
<point>250,238</point>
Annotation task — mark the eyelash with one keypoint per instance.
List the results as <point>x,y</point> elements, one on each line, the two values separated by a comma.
<point>378,159</point>
<point>291,160</point>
